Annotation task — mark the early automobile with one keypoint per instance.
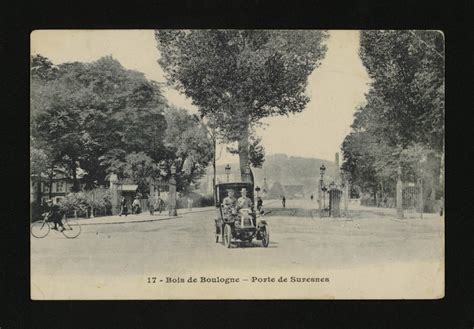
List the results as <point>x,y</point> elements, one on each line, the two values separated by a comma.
<point>238,221</point>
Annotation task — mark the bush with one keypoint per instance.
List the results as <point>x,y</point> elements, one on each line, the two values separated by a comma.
<point>75,203</point>
<point>82,202</point>
<point>198,201</point>
<point>367,200</point>
<point>206,201</point>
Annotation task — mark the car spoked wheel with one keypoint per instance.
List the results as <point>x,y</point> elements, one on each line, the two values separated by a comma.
<point>265,236</point>
<point>227,235</point>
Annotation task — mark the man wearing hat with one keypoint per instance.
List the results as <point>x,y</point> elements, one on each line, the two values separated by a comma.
<point>228,203</point>
<point>244,201</point>
<point>54,214</point>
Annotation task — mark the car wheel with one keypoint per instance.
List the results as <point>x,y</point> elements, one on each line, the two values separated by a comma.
<point>265,236</point>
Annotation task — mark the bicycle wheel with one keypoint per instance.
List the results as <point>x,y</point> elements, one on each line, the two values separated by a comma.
<point>72,228</point>
<point>40,229</point>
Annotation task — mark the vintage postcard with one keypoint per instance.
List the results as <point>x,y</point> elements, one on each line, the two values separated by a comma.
<point>237,164</point>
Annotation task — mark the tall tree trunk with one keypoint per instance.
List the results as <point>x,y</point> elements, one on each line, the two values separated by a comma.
<point>75,185</point>
<point>441,172</point>
<point>244,152</point>
<point>50,187</point>
<point>38,191</point>
<point>214,145</point>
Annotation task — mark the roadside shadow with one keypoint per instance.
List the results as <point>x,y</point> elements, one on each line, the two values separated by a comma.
<point>292,212</point>
<point>254,244</point>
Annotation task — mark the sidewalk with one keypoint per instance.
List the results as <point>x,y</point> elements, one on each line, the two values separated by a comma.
<point>143,217</point>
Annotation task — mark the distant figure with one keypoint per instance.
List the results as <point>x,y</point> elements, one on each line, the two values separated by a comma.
<point>123,207</point>
<point>190,203</point>
<point>283,202</point>
<point>151,204</point>
<point>312,197</point>
<point>259,203</point>
<point>161,205</point>
<point>136,206</point>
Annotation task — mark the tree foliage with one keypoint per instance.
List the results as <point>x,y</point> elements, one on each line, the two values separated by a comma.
<point>192,151</point>
<point>237,77</point>
<point>402,123</point>
<point>104,119</point>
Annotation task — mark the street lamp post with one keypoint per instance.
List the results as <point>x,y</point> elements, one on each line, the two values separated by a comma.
<point>172,192</point>
<point>345,185</point>
<point>227,171</point>
<point>257,189</point>
<point>322,169</point>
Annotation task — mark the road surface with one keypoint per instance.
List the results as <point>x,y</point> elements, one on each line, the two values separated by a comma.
<point>178,247</point>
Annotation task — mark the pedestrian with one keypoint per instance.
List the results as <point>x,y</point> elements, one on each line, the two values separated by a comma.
<point>259,203</point>
<point>151,204</point>
<point>161,204</point>
<point>312,197</point>
<point>136,206</point>
<point>190,203</point>
<point>283,201</point>
<point>123,207</point>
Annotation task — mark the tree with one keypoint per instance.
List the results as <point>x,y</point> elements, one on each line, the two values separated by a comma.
<point>188,146</point>
<point>407,69</point>
<point>89,110</point>
<point>276,191</point>
<point>403,120</point>
<point>238,77</point>
<point>140,168</point>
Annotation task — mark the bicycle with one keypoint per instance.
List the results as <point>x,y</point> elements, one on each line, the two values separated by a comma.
<point>41,228</point>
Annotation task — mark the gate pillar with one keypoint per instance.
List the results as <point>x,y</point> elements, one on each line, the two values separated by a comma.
<point>399,193</point>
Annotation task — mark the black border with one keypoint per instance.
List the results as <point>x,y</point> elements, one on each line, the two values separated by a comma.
<point>453,311</point>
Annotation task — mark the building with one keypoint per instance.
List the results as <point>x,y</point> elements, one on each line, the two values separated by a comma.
<point>61,185</point>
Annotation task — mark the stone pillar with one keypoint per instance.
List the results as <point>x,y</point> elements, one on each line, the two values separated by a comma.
<point>151,197</point>
<point>92,207</point>
<point>421,202</point>
<point>346,198</point>
<point>114,198</point>
<point>399,193</point>
<point>337,175</point>
<point>172,197</point>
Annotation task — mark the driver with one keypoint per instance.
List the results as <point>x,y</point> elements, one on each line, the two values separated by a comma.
<point>245,202</point>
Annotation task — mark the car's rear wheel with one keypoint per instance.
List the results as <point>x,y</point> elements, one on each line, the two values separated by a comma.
<point>265,236</point>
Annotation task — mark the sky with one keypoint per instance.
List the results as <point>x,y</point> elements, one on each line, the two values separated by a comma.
<point>336,88</point>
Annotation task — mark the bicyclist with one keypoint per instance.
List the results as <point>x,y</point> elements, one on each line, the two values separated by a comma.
<point>54,214</point>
